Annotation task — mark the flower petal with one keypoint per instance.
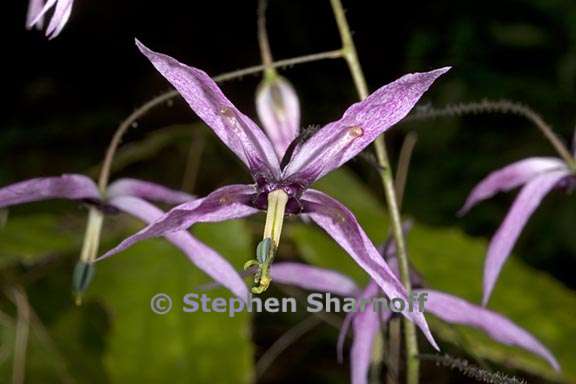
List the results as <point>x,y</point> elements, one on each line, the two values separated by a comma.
<point>60,17</point>
<point>34,9</point>
<point>313,278</point>
<point>279,112</point>
<point>235,129</point>
<point>366,326</point>
<point>199,254</point>
<point>361,124</point>
<point>458,311</point>
<point>525,204</point>
<point>147,191</point>
<point>73,187</point>
<point>341,224</point>
<point>226,203</point>
<point>510,177</point>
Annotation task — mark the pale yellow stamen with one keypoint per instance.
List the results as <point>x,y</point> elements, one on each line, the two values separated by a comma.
<point>275,216</point>
<point>92,236</point>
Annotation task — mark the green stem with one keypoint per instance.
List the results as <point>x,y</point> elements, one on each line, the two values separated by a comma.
<point>349,51</point>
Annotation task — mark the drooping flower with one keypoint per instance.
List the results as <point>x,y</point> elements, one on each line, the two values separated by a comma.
<point>537,176</point>
<point>126,195</point>
<point>368,323</point>
<point>285,189</point>
<point>38,11</point>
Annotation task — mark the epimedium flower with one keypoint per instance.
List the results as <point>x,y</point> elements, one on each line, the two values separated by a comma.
<point>367,324</point>
<point>537,176</point>
<point>282,183</point>
<point>126,195</point>
<point>38,11</point>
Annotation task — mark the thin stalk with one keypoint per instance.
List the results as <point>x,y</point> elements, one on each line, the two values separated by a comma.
<point>22,332</point>
<point>165,97</point>
<point>265,51</point>
<point>349,51</point>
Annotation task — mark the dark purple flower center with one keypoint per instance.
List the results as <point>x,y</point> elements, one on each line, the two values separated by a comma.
<point>293,189</point>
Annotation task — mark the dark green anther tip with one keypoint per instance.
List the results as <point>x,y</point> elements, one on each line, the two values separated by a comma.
<point>263,250</point>
<point>81,278</point>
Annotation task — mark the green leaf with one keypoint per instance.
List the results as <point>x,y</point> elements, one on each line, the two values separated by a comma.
<point>29,238</point>
<point>175,347</point>
<point>451,261</point>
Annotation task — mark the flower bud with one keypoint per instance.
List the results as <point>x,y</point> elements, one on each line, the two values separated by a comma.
<point>279,111</point>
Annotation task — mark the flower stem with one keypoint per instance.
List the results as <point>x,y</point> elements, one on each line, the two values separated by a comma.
<point>165,97</point>
<point>351,57</point>
<point>265,51</point>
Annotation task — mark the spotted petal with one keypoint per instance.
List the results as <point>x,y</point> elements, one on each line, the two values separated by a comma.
<point>340,223</point>
<point>226,203</point>
<point>72,187</point>
<point>525,204</point>
<point>235,129</point>
<point>313,278</point>
<point>510,177</point>
<point>199,254</point>
<point>458,311</point>
<point>147,191</point>
<point>339,141</point>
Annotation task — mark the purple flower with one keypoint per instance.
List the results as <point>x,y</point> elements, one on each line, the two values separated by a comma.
<point>367,323</point>
<point>130,196</point>
<point>278,108</point>
<point>38,9</point>
<point>537,176</point>
<point>281,182</point>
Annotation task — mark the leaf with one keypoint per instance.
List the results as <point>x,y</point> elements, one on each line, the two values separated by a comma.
<point>175,347</point>
<point>31,237</point>
<point>451,261</point>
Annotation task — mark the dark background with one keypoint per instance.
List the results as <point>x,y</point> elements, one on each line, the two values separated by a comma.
<point>64,98</point>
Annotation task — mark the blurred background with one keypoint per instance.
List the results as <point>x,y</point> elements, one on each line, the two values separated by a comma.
<point>64,98</point>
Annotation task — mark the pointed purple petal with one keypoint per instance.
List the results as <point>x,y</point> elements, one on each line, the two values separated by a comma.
<point>226,203</point>
<point>341,224</point>
<point>147,191</point>
<point>60,17</point>
<point>199,254</point>
<point>235,129</point>
<point>313,278</point>
<point>457,311</point>
<point>73,187</point>
<point>39,17</point>
<point>525,204</point>
<point>361,124</point>
<point>510,177</point>
<point>366,326</point>
<point>279,112</point>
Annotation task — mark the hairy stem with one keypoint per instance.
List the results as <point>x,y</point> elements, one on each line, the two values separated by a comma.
<point>165,97</point>
<point>349,50</point>
<point>501,106</point>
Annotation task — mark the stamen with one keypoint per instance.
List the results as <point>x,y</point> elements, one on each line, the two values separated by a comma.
<point>84,270</point>
<point>267,247</point>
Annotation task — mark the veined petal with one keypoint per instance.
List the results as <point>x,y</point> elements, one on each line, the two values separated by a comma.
<point>366,326</point>
<point>226,203</point>
<point>510,177</point>
<point>235,129</point>
<point>34,9</point>
<point>342,226</point>
<point>525,204</point>
<point>362,123</point>
<point>73,187</point>
<point>147,191</point>
<point>279,112</point>
<point>199,254</point>
<point>458,311</point>
<point>313,278</point>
